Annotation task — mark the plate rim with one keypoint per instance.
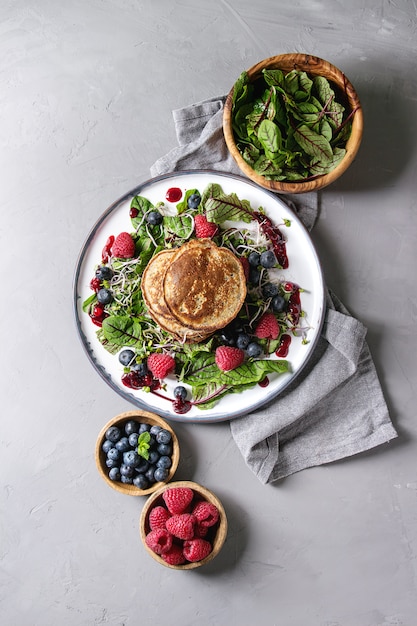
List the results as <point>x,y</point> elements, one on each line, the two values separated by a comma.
<point>126,395</point>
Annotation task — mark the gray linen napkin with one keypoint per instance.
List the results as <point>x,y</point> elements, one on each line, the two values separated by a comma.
<point>335,407</point>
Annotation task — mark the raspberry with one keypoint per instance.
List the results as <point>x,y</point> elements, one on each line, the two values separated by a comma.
<point>207,514</point>
<point>267,327</point>
<point>228,358</point>
<point>123,247</point>
<point>203,228</point>
<point>158,517</point>
<point>196,549</point>
<point>159,540</point>
<point>181,526</point>
<point>160,364</point>
<point>245,264</point>
<point>174,556</point>
<point>200,531</point>
<point>178,499</point>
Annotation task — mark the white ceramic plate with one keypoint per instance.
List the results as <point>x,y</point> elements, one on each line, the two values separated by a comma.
<point>304,269</point>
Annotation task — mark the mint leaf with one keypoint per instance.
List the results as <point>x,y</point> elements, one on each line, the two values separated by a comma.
<point>143,444</point>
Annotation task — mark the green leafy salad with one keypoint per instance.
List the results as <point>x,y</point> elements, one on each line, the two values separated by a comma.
<point>289,127</point>
<point>261,333</point>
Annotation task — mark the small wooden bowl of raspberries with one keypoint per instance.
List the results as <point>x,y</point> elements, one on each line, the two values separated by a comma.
<point>183,525</point>
<point>137,452</point>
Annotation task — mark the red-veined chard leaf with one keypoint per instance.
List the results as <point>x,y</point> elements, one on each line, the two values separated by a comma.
<point>270,136</point>
<point>122,330</point>
<point>313,144</point>
<point>228,207</point>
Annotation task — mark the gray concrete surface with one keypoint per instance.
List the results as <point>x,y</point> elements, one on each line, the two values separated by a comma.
<point>86,93</point>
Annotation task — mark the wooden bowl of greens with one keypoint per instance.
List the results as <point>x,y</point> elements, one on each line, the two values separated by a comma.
<point>293,123</point>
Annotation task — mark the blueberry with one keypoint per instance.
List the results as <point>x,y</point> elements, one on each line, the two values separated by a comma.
<point>123,444</point>
<point>254,276</point>
<point>227,337</point>
<point>140,368</point>
<point>126,356</point>
<point>278,304</point>
<point>180,392</point>
<point>254,349</point>
<point>107,445</point>
<point>164,436</point>
<point>113,434</point>
<point>194,200</point>
<point>131,458</point>
<point>269,290</point>
<point>104,296</point>
<point>141,482</point>
<point>144,428</point>
<point>154,218</point>
<point>164,462</point>
<point>113,454</point>
<point>112,463</point>
<point>142,467</point>
<point>127,480</point>
<point>131,427</point>
<point>268,259</point>
<point>160,474</point>
<point>114,473</point>
<point>153,457</point>
<point>254,259</point>
<point>154,430</point>
<point>150,474</point>
<point>104,272</point>
<point>126,470</point>
<point>164,449</point>
<point>242,341</point>
<point>133,440</point>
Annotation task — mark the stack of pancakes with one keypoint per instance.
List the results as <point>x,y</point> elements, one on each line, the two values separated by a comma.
<point>194,290</point>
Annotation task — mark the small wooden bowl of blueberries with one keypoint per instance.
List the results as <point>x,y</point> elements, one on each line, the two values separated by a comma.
<point>137,452</point>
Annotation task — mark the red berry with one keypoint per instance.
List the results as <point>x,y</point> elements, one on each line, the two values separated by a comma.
<point>124,246</point>
<point>246,266</point>
<point>95,284</point>
<point>229,358</point>
<point>160,364</point>
<point>174,556</point>
<point>203,228</point>
<point>207,514</point>
<point>182,525</point>
<point>158,517</point>
<point>178,499</point>
<point>107,248</point>
<point>159,540</point>
<point>196,549</point>
<point>267,327</point>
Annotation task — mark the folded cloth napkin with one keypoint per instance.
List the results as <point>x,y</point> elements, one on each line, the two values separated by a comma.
<point>335,407</point>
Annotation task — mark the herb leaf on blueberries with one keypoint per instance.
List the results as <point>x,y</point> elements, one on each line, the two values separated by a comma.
<point>144,445</point>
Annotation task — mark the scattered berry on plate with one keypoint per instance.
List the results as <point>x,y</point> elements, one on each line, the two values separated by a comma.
<point>124,246</point>
<point>203,228</point>
<point>229,358</point>
<point>267,327</point>
<point>160,364</point>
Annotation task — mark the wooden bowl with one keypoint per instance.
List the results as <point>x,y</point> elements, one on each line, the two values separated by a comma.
<point>314,66</point>
<point>120,420</point>
<point>216,535</point>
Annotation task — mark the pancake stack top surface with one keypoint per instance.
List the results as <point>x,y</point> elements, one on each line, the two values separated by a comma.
<point>194,290</point>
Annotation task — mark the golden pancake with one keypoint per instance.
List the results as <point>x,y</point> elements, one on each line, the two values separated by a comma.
<point>152,291</point>
<point>204,285</point>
